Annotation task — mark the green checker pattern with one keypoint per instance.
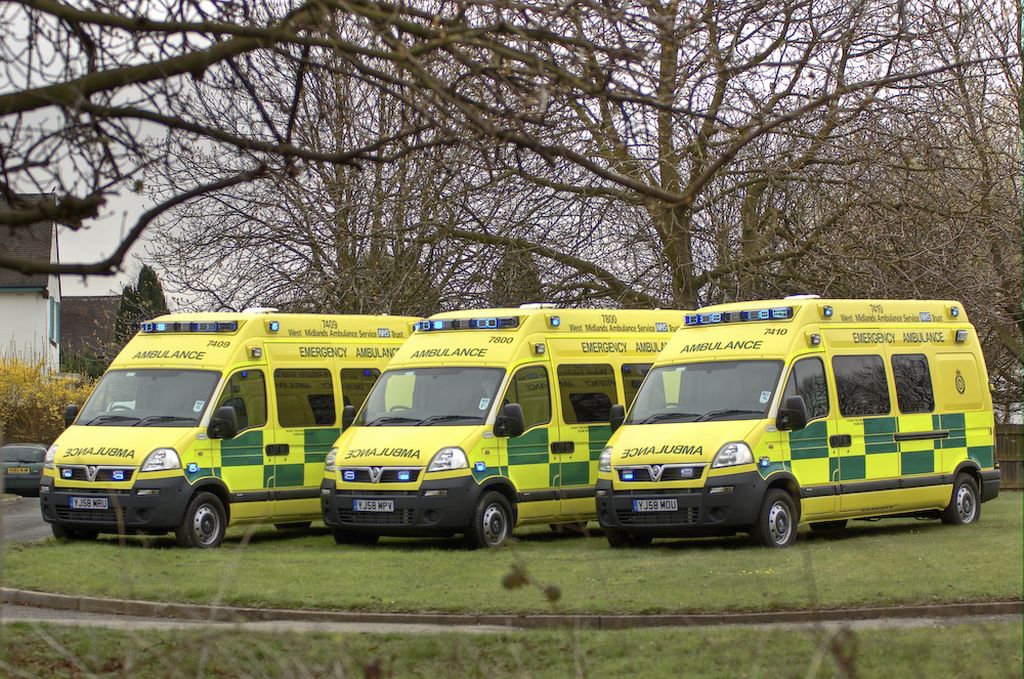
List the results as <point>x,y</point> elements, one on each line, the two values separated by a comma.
<point>532,448</point>
<point>247,451</point>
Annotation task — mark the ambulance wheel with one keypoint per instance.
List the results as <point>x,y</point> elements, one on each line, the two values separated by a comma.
<point>64,533</point>
<point>619,539</point>
<point>204,523</point>
<point>963,505</point>
<point>822,526</point>
<point>776,525</point>
<point>492,521</point>
<point>298,525</point>
<point>347,537</point>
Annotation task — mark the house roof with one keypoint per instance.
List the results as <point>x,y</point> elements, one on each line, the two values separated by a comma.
<point>87,324</point>
<point>32,242</point>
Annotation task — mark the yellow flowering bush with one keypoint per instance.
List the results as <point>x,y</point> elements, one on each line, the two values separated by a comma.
<point>32,401</point>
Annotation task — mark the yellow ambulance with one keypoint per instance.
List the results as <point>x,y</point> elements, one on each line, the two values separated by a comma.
<point>486,420</point>
<point>214,419</point>
<point>759,416</point>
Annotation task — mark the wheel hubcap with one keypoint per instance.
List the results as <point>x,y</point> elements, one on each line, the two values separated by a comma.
<point>779,524</point>
<point>494,525</point>
<point>206,524</point>
<point>965,504</point>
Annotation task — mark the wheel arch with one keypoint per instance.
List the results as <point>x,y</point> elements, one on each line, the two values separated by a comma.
<point>787,482</point>
<point>217,488</point>
<point>505,487</point>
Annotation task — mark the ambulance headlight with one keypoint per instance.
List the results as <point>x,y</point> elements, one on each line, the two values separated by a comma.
<point>51,453</point>
<point>329,461</point>
<point>604,464</point>
<point>448,458</point>
<point>160,460</point>
<point>732,454</point>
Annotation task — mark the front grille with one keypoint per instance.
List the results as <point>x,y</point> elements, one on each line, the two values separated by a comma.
<point>104,474</point>
<point>388,475</point>
<point>642,474</point>
<point>401,517</point>
<point>377,493</point>
<point>87,515</point>
<point>95,491</point>
<point>686,515</point>
<point>658,491</point>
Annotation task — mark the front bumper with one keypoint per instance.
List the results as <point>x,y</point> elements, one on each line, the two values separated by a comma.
<point>415,512</point>
<point>700,511</point>
<point>127,510</point>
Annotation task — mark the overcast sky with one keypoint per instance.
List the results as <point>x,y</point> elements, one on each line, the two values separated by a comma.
<point>98,240</point>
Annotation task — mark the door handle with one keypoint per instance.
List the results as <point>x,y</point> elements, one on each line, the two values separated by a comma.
<point>277,449</point>
<point>559,447</point>
<point>840,441</point>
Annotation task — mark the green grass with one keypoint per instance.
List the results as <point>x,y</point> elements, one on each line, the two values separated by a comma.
<point>974,650</point>
<point>888,562</point>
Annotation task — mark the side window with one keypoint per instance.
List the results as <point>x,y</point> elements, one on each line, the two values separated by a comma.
<point>305,398</point>
<point>529,388</point>
<point>632,376</point>
<point>246,392</point>
<point>913,383</point>
<point>588,392</point>
<point>356,384</point>
<point>807,379</point>
<point>861,385</point>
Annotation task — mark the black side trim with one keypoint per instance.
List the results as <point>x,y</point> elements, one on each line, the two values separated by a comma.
<point>536,496</point>
<point>255,496</point>
<point>818,491</point>
<point>869,486</point>
<point>297,494</point>
<point>920,435</point>
<point>922,481</point>
<point>576,493</point>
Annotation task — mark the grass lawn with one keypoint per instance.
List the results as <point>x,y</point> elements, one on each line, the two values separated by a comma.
<point>992,650</point>
<point>893,561</point>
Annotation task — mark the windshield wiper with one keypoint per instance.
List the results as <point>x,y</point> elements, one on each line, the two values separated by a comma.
<point>390,418</point>
<point>110,418</point>
<point>164,418</point>
<point>435,419</point>
<point>657,417</point>
<point>726,411</point>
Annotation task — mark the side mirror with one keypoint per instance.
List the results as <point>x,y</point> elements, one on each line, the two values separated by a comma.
<point>616,416</point>
<point>510,421</point>
<point>70,413</point>
<point>793,415</point>
<point>223,424</point>
<point>348,416</point>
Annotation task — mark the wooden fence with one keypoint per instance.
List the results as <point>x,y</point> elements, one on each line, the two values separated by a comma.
<point>1010,453</point>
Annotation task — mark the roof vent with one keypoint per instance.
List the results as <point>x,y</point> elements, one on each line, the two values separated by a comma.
<point>538,305</point>
<point>260,310</point>
<point>802,297</point>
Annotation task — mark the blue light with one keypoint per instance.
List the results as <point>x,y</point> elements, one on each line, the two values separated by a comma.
<point>627,475</point>
<point>782,312</point>
<point>437,325</point>
<point>192,468</point>
<point>555,321</point>
<point>117,475</point>
<point>66,473</point>
<point>275,326</point>
<point>349,475</point>
<point>480,466</point>
<point>367,373</point>
<point>954,311</point>
<point>403,475</point>
<point>827,311</point>
<point>161,327</point>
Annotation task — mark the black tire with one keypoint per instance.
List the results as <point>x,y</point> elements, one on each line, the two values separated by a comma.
<point>823,526</point>
<point>64,533</point>
<point>345,537</point>
<point>204,524</point>
<point>965,504</point>
<point>298,525</point>
<point>777,522</point>
<point>620,539</point>
<point>492,521</point>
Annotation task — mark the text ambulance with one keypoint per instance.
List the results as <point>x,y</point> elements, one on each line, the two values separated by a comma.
<point>206,420</point>
<point>762,415</point>
<point>489,419</point>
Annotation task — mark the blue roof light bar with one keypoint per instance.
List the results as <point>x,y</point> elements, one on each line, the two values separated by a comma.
<point>721,317</point>
<point>492,323</point>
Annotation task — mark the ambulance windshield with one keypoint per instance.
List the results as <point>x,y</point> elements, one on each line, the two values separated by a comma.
<point>149,398</point>
<point>431,396</point>
<point>704,392</point>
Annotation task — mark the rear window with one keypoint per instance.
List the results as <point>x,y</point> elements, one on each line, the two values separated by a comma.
<point>21,454</point>
<point>913,383</point>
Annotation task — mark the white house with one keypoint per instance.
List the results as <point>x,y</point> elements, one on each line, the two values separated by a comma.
<point>30,304</point>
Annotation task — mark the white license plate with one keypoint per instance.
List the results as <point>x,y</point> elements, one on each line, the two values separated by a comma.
<point>373,505</point>
<point>89,503</point>
<point>655,505</point>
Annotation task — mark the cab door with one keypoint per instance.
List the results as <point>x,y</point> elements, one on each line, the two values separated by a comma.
<point>813,452</point>
<point>528,458</point>
<point>586,393</point>
<point>307,417</point>
<point>242,461</point>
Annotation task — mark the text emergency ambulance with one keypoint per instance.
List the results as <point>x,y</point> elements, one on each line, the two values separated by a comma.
<point>488,419</point>
<point>206,420</point>
<point>759,416</point>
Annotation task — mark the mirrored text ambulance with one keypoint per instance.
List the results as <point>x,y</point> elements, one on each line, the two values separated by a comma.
<point>206,420</point>
<point>489,419</point>
<point>759,416</point>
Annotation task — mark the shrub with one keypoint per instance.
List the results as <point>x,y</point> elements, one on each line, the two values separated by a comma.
<point>32,400</point>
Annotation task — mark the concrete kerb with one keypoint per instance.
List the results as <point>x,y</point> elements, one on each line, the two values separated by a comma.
<point>202,612</point>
